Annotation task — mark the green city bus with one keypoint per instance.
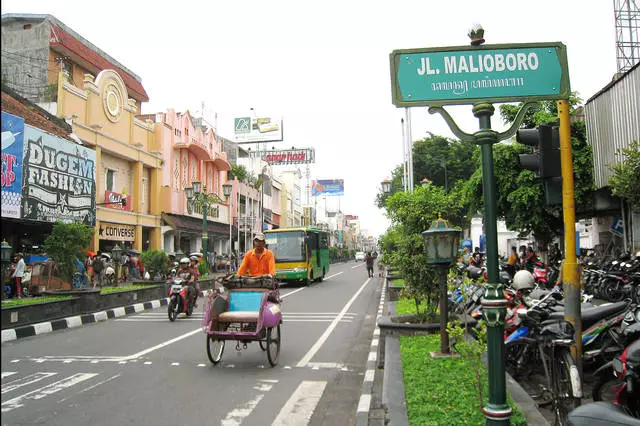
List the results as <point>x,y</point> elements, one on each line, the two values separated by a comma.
<point>302,253</point>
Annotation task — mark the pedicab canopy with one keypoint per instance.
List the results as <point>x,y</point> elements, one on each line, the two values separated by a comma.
<point>441,242</point>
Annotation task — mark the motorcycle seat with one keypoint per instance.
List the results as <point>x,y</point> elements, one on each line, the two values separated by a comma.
<point>594,314</point>
<point>600,413</point>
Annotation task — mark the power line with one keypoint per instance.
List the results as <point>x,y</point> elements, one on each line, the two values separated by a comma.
<point>30,57</point>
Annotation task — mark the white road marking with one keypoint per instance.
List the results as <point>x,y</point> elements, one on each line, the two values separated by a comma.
<point>237,415</point>
<point>301,404</point>
<point>357,266</point>
<point>368,376</point>
<point>364,403</point>
<point>292,292</point>
<point>90,387</point>
<point>27,380</point>
<point>8,373</point>
<point>316,346</point>
<point>43,392</point>
<point>334,275</point>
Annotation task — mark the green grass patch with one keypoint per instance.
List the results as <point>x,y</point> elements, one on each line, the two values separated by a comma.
<point>441,391</point>
<point>398,283</point>
<point>405,306</point>
<point>32,300</point>
<point>107,290</point>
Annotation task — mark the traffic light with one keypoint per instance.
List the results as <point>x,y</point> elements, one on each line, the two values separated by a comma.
<point>545,160</point>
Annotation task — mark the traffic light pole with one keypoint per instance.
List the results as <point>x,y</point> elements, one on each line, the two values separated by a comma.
<point>570,275</point>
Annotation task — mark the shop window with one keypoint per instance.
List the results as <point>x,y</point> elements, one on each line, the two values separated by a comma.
<point>110,179</point>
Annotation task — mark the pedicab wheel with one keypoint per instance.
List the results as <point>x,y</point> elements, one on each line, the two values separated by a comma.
<point>215,348</point>
<point>172,310</point>
<point>273,345</point>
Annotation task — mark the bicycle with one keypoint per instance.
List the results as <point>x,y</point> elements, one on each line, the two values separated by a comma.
<point>547,345</point>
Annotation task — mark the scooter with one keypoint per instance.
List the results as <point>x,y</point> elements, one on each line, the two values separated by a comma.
<point>179,300</point>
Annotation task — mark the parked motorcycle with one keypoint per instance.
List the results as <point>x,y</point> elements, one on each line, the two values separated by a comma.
<point>178,299</point>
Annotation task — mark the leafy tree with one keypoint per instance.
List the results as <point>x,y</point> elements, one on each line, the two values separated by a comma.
<point>626,175</point>
<point>239,171</point>
<point>521,201</point>
<point>430,157</point>
<point>155,262</point>
<point>411,213</point>
<point>67,242</point>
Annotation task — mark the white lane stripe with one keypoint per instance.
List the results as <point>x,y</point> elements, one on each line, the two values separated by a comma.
<point>90,387</point>
<point>40,393</point>
<point>198,319</point>
<point>334,275</point>
<point>27,380</point>
<point>8,373</point>
<point>364,403</point>
<point>237,415</point>
<point>292,292</point>
<point>316,346</point>
<point>301,404</point>
<point>357,266</point>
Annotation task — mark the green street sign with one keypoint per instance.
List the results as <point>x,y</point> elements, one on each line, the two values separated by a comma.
<point>459,75</point>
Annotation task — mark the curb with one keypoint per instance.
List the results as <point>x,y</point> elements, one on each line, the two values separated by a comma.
<point>78,320</point>
<point>364,404</point>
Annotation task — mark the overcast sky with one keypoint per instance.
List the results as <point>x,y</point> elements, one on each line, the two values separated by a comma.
<point>323,66</point>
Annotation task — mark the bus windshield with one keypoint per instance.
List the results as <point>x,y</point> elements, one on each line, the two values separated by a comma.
<point>287,246</point>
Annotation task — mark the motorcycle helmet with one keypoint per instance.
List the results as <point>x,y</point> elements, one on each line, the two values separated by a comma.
<point>184,260</point>
<point>194,258</point>
<point>523,280</point>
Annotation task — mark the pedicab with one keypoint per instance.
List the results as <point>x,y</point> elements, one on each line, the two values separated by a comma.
<point>244,309</point>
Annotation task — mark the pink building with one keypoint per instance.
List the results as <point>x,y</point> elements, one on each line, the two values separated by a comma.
<point>191,153</point>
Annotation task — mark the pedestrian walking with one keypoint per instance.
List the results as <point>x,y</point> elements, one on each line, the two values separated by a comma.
<point>19,273</point>
<point>98,270</point>
<point>369,261</point>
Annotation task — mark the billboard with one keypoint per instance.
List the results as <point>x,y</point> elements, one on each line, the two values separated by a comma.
<point>286,156</point>
<point>327,187</point>
<point>59,179</point>
<point>257,129</point>
<point>12,142</point>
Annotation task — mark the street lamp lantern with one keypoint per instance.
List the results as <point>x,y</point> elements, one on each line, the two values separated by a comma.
<point>441,246</point>
<point>441,242</point>
<point>189,193</point>
<point>226,189</point>
<point>386,186</point>
<point>197,186</point>
<point>5,251</point>
<point>116,252</point>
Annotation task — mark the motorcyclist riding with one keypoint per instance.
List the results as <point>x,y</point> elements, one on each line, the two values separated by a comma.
<point>186,274</point>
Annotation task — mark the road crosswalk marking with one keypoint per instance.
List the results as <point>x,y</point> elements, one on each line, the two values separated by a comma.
<point>27,380</point>
<point>45,391</point>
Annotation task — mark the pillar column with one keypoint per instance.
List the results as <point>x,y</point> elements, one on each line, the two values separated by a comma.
<point>95,241</point>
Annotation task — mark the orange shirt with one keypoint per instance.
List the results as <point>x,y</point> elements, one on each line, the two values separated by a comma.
<point>265,264</point>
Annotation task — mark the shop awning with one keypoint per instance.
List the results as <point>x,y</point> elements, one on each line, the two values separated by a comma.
<point>193,225</point>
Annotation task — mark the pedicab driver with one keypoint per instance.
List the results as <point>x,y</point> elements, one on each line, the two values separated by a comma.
<point>259,261</point>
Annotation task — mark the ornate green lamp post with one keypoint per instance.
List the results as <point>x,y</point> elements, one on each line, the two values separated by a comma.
<point>116,252</point>
<point>198,194</point>
<point>227,189</point>
<point>441,246</point>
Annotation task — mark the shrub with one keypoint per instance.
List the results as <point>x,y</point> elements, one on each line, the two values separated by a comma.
<point>155,262</point>
<point>203,268</point>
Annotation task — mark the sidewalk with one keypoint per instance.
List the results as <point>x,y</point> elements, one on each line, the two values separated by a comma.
<point>81,320</point>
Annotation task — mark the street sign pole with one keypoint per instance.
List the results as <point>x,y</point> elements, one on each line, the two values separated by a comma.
<point>480,75</point>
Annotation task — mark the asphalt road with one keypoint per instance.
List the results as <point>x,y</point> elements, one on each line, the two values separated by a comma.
<point>144,370</point>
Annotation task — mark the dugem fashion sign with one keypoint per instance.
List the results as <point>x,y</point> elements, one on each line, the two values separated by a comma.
<point>58,179</point>
<point>470,74</point>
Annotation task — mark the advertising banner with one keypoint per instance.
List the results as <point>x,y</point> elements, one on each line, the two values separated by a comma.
<point>59,181</point>
<point>113,200</point>
<point>257,129</point>
<point>287,156</point>
<point>12,137</point>
<point>327,187</point>
<point>116,232</point>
